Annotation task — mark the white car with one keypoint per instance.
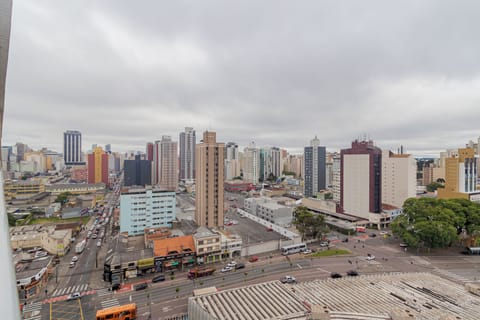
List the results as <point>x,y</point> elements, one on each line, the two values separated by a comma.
<point>39,254</point>
<point>324,244</point>
<point>307,251</point>
<point>370,258</point>
<point>288,279</point>
<point>231,264</point>
<point>227,269</point>
<point>99,244</point>
<point>74,259</point>
<point>74,296</point>
<point>383,232</point>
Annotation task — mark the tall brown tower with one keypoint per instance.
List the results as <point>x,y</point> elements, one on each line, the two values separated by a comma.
<point>209,164</point>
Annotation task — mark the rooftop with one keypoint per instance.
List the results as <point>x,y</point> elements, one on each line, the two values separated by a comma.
<point>165,247</point>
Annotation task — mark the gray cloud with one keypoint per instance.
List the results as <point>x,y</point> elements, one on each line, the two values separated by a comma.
<point>276,72</point>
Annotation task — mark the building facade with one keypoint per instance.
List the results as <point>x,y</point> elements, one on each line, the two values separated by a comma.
<point>269,210</point>
<point>165,164</point>
<point>137,172</point>
<point>146,208</point>
<point>252,167</point>
<point>98,166</point>
<point>399,178</point>
<point>209,191</point>
<point>72,148</point>
<point>232,161</point>
<point>315,168</point>
<point>187,154</point>
<point>460,175</point>
<point>360,179</point>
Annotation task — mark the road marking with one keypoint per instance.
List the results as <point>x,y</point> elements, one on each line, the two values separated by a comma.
<point>323,270</point>
<point>37,306</point>
<point>109,303</point>
<point>299,266</point>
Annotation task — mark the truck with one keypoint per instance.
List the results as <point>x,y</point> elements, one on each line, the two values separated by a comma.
<point>200,272</point>
<point>80,246</point>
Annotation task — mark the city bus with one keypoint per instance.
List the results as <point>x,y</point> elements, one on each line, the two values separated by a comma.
<point>125,312</point>
<point>294,248</point>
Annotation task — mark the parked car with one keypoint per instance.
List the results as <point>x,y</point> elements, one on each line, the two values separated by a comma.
<point>116,286</point>
<point>384,233</point>
<point>94,236</point>
<point>140,286</point>
<point>158,278</point>
<point>307,251</point>
<point>239,266</point>
<point>232,264</point>
<point>99,243</point>
<point>373,235</point>
<point>72,264</point>
<point>352,273</point>
<point>335,275</point>
<point>288,279</point>
<point>74,296</point>
<point>40,254</point>
<point>253,259</point>
<point>403,245</point>
<point>74,259</point>
<point>370,257</point>
<point>324,244</point>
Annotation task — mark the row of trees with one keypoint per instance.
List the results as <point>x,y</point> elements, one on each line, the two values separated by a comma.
<point>437,223</point>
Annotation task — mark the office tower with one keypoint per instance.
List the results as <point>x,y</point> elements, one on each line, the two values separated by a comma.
<point>251,161</point>
<point>399,178</point>
<point>149,151</point>
<point>6,157</point>
<point>165,164</point>
<point>294,164</point>
<point>232,161</point>
<point>187,154</point>
<point>141,209</point>
<point>20,149</point>
<point>360,180</point>
<point>314,158</point>
<point>460,176</point>
<point>72,148</point>
<point>98,166</point>
<point>137,172</point>
<point>209,171</point>
<point>336,161</point>
<point>108,148</point>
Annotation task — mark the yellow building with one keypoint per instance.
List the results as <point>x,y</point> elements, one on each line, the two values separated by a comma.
<point>460,175</point>
<point>14,189</point>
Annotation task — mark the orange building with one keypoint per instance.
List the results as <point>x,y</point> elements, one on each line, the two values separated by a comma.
<point>98,166</point>
<point>175,253</point>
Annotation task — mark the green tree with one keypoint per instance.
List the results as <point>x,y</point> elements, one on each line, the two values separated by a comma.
<point>434,186</point>
<point>11,220</point>
<point>308,224</point>
<point>63,197</point>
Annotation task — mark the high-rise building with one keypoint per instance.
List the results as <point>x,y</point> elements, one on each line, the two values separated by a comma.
<point>295,164</point>
<point>98,166</point>
<point>336,173</point>
<point>137,172</point>
<point>399,178</point>
<point>460,175</point>
<point>251,161</point>
<point>187,154</point>
<point>165,164</point>
<point>108,148</point>
<point>209,164</point>
<point>20,150</point>
<point>360,180</point>
<point>149,151</point>
<point>314,158</point>
<point>232,161</point>
<point>72,148</point>
<point>146,208</point>
<point>270,163</point>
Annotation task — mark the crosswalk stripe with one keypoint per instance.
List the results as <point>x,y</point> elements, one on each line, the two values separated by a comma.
<point>71,289</point>
<point>38,317</point>
<point>110,303</point>
<point>33,307</point>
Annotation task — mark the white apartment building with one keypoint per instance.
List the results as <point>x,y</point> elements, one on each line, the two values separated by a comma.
<point>142,208</point>
<point>251,160</point>
<point>399,178</point>
<point>336,177</point>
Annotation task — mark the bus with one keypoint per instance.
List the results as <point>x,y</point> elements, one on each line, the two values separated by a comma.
<point>125,312</point>
<point>360,229</point>
<point>294,248</point>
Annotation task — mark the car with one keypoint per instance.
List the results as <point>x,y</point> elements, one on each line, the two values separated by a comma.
<point>345,240</point>
<point>74,259</point>
<point>140,286</point>
<point>74,296</point>
<point>352,273</point>
<point>269,229</point>
<point>116,286</point>
<point>94,236</point>
<point>239,266</point>
<point>158,278</point>
<point>307,251</point>
<point>288,279</point>
<point>335,275</point>
<point>384,233</point>
<point>370,257</point>
<point>253,259</point>
<point>226,269</point>
<point>232,264</point>
<point>40,254</point>
<point>72,264</point>
<point>373,235</point>
<point>99,243</point>
<point>324,244</point>
<point>403,245</point>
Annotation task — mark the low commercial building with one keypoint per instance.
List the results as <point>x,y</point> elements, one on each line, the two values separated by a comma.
<point>55,242</point>
<point>207,245</point>
<point>152,234</point>
<point>269,210</point>
<point>175,253</point>
<point>143,208</point>
<point>75,188</point>
<point>32,277</point>
<point>420,296</point>
<point>238,186</point>
<point>231,245</point>
<point>15,189</point>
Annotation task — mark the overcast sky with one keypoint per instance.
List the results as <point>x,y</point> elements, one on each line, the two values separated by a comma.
<point>274,72</point>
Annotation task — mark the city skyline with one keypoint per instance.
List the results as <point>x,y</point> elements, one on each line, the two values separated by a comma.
<point>275,74</point>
